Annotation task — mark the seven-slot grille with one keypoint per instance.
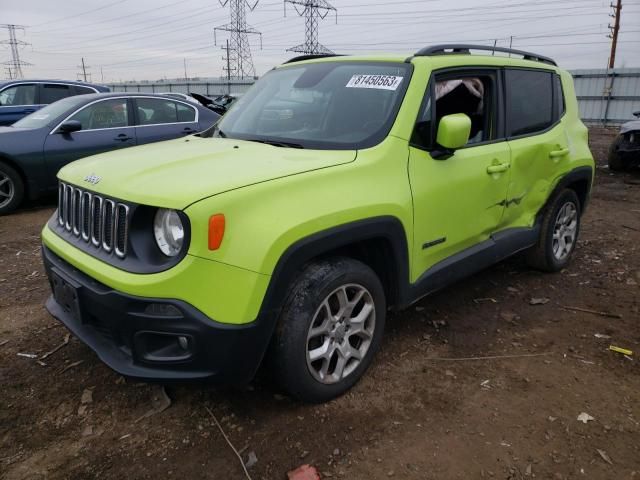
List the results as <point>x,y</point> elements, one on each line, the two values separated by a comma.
<point>93,218</point>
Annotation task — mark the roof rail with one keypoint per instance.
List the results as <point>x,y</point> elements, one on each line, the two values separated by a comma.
<point>461,48</point>
<point>301,58</point>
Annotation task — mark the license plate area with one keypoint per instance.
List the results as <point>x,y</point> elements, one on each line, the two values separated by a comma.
<point>65,292</point>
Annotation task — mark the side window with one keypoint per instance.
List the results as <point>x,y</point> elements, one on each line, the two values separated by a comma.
<point>529,101</point>
<point>558,95</point>
<point>422,132</point>
<point>153,111</point>
<point>186,113</point>
<point>83,90</point>
<point>473,95</point>
<point>18,95</point>
<point>104,114</point>
<point>51,92</point>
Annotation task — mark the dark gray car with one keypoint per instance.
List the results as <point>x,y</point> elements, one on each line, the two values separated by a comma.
<point>624,152</point>
<point>33,149</point>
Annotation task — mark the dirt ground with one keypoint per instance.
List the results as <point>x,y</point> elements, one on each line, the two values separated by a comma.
<point>417,414</point>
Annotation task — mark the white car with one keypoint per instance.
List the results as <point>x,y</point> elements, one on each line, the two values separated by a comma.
<point>181,96</point>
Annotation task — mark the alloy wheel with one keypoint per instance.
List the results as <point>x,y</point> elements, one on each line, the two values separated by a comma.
<point>341,333</point>
<point>565,231</point>
<point>7,189</point>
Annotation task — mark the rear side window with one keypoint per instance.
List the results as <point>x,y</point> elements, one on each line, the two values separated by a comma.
<point>52,92</point>
<point>529,101</point>
<point>185,113</point>
<point>558,94</point>
<point>18,95</point>
<point>154,111</point>
<point>84,90</point>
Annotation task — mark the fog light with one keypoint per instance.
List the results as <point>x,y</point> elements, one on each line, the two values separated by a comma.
<point>163,346</point>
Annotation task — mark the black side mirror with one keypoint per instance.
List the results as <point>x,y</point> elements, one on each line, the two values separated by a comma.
<point>636,114</point>
<point>70,127</point>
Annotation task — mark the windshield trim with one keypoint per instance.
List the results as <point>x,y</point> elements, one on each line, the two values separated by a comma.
<point>373,140</point>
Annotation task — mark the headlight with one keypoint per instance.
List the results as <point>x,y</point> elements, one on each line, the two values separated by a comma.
<point>169,231</point>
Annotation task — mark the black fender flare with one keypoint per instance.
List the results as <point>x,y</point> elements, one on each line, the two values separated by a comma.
<point>304,250</point>
<point>576,175</point>
<point>297,255</point>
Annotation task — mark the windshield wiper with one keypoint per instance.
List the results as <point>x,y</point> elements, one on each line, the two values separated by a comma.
<point>276,143</point>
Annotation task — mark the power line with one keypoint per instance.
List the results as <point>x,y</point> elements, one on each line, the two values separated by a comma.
<point>239,53</point>
<point>15,64</point>
<point>80,14</point>
<point>313,11</point>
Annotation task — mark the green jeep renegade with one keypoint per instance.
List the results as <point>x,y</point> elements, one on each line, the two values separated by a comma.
<point>335,189</point>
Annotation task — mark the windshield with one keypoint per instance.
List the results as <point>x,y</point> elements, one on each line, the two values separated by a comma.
<point>50,113</point>
<point>328,105</point>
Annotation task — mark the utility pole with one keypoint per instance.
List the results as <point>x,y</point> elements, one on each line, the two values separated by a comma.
<point>84,70</point>
<point>15,64</point>
<point>608,89</point>
<point>241,62</point>
<point>185,69</point>
<point>614,32</point>
<point>312,11</point>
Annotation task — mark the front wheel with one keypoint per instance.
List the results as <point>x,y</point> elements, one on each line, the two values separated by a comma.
<point>614,158</point>
<point>11,189</point>
<point>558,235</point>
<point>330,329</point>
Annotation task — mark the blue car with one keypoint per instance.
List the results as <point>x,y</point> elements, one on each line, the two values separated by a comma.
<point>33,149</point>
<point>19,98</point>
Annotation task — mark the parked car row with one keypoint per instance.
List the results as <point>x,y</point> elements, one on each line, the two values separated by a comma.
<point>33,149</point>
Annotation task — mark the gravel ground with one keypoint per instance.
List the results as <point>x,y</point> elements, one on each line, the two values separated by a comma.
<point>416,415</point>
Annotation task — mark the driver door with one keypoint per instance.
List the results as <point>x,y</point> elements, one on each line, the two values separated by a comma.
<point>106,125</point>
<point>458,201</point>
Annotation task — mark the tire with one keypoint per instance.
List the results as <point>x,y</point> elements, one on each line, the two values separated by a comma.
<point>11,189</point>
<point>614,160</point>
<point>330,284</point>
<point>558,235</point>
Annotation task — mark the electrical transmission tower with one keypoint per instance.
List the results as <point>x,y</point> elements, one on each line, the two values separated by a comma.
<point>15,64</point>
<point>313,11</point>
<point>239,60</point>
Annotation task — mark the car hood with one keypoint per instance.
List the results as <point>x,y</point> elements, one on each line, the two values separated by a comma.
<point>21,140</point>
<point>9,129</point>
<point>177,173</point>
<point>630,126</point>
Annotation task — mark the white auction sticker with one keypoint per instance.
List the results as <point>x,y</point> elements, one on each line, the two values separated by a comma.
<point>383,82</point>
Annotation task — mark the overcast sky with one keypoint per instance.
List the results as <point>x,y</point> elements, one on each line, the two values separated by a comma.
<point>149,39</point>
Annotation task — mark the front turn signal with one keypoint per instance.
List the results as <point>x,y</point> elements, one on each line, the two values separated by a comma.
<point>216,231</point>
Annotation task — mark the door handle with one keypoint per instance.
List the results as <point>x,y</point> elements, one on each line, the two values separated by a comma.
<point>558,153</point>
<point>500,167</point>
<point>188,130</point>
<point>123,137</point>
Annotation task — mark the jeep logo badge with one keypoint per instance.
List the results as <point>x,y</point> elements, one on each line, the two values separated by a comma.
<point>92,179</point>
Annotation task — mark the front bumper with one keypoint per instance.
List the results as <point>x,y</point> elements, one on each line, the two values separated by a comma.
<point>152,339</point>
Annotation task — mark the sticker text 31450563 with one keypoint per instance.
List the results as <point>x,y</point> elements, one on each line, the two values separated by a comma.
<point>382,82</point>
